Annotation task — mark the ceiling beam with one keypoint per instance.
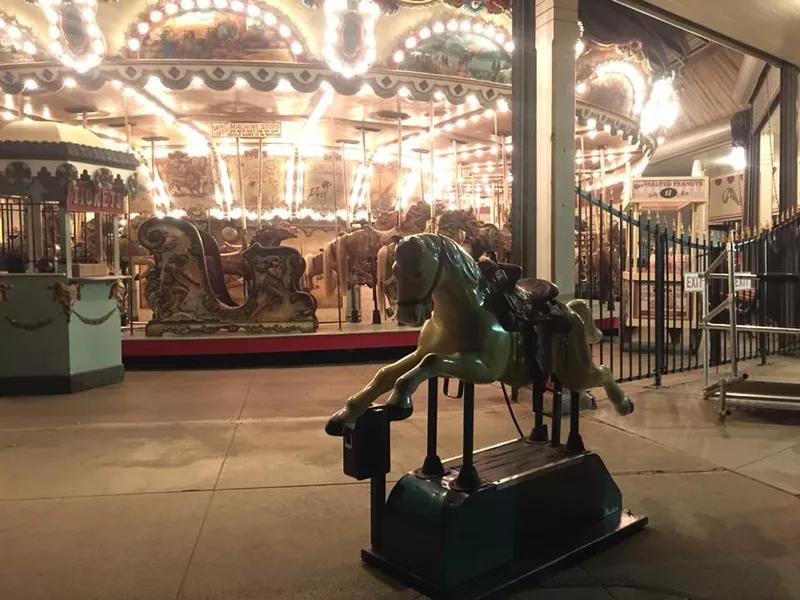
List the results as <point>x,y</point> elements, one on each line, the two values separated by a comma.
<point>749,73</point>
<point>698,140</point>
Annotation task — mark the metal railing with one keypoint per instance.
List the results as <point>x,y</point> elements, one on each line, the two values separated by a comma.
<point>631,269</point>
<point>729,389</point>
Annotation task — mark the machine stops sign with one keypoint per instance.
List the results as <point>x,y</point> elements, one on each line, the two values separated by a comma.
<point>228,129</point>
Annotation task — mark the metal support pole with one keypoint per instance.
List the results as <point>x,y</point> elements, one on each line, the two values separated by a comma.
<point>761,298</point>
<point>732,310</point>
<point>787,198</point>
<point>241,193</point>
<point>456,183</point>
<point>706,331</point>
<point>660,289</point>
<point>377,503</point>
<point>432,467</point>
<point>368,196</point>
<point>399,187</point>
<point>431,148</point>
<point>261,182</point>
<point>539,432</point>
<point>523,128</point>
<point>574,441</point>
<point>555,440</point>
<point>468,478</point>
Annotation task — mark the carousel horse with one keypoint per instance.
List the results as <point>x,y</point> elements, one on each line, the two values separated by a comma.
<point>387,283</point>
<point>356,253</point>
<point>313,271</point>
<point>487,241</point>
<point>458,224</point>
<point>479,331</point>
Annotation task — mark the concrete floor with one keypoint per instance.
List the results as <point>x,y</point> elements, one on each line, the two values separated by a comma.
<point>222,485</point>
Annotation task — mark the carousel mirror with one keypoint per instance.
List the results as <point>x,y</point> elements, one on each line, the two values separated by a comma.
<point>73,27</point>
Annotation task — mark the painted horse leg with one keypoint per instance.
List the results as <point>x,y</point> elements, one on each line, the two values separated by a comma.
<point>621,402</point>
<point>467,366</point>
<point>384,380</point>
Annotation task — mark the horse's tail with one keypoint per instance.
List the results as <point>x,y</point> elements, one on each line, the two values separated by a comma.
<point>383,259</point>
<point>308,277</point>
<point>328,269</point>
<point>584,311</point>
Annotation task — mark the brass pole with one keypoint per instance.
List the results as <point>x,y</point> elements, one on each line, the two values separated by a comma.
<point>455,176</point>
<point>259,206</point>
<point>399,187</point>
<point>433,171</point>
<point>336,222</point>
<point>367,183</point>
<point>344,189</point>
<point>241,193</point>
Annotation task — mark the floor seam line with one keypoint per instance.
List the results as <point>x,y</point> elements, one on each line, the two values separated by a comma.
<point>205,515</point>
<point>770,455</point>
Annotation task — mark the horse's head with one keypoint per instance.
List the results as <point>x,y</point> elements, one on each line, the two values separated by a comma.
<point>423,263</point>
<point>417,269</point>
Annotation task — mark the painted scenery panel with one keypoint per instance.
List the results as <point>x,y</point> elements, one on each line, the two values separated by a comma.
<point>460,54</point>
<point>215,35</point>
<point>187,180</point>
<point>318,189</point>
<point>273,180</point>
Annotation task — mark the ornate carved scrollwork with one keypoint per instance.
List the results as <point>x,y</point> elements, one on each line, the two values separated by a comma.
<point>183,287</point>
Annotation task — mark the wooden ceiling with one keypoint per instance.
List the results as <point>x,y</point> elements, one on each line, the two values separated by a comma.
<point>706,73</point>
<point>706,88</point>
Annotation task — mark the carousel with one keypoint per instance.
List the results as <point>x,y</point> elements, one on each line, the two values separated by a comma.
<point>283,148</point>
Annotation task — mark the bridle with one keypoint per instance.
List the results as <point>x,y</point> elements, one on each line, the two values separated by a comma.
<point>426,299</point>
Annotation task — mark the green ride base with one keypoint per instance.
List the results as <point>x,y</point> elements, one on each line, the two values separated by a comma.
<point>538,510</point>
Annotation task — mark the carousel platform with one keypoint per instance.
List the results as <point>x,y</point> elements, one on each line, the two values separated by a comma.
<point>362,341</point>
<point>363,338</point>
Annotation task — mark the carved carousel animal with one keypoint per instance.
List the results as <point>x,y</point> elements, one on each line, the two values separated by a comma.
<point>458,224</point>
<point>356,253</point>
<point>487,242</point>
<point>479,238</point>
<point>487,326</point>
<point>267,236</point>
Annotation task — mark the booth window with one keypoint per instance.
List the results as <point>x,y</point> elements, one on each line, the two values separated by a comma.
<point>29,235</point>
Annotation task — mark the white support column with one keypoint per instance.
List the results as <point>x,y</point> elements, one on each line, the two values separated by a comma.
<point>556,35</point>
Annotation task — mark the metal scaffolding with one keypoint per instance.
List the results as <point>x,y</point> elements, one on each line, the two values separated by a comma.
<point>738,390</point>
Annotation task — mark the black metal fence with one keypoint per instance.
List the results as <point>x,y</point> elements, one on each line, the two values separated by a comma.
<point>631,269</point>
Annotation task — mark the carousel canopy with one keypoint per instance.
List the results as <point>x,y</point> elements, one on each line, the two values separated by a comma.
<point>49,131</point>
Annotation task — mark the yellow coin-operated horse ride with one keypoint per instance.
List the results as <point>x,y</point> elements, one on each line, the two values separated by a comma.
<point>489,519</point>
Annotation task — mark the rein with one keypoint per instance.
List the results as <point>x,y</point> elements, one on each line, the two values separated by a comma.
<point>438,276</point>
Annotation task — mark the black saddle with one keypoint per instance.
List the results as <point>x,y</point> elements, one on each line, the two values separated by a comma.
<point>520,304</point>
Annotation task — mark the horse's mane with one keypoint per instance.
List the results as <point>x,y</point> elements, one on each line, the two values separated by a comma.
<point>455,255</point>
